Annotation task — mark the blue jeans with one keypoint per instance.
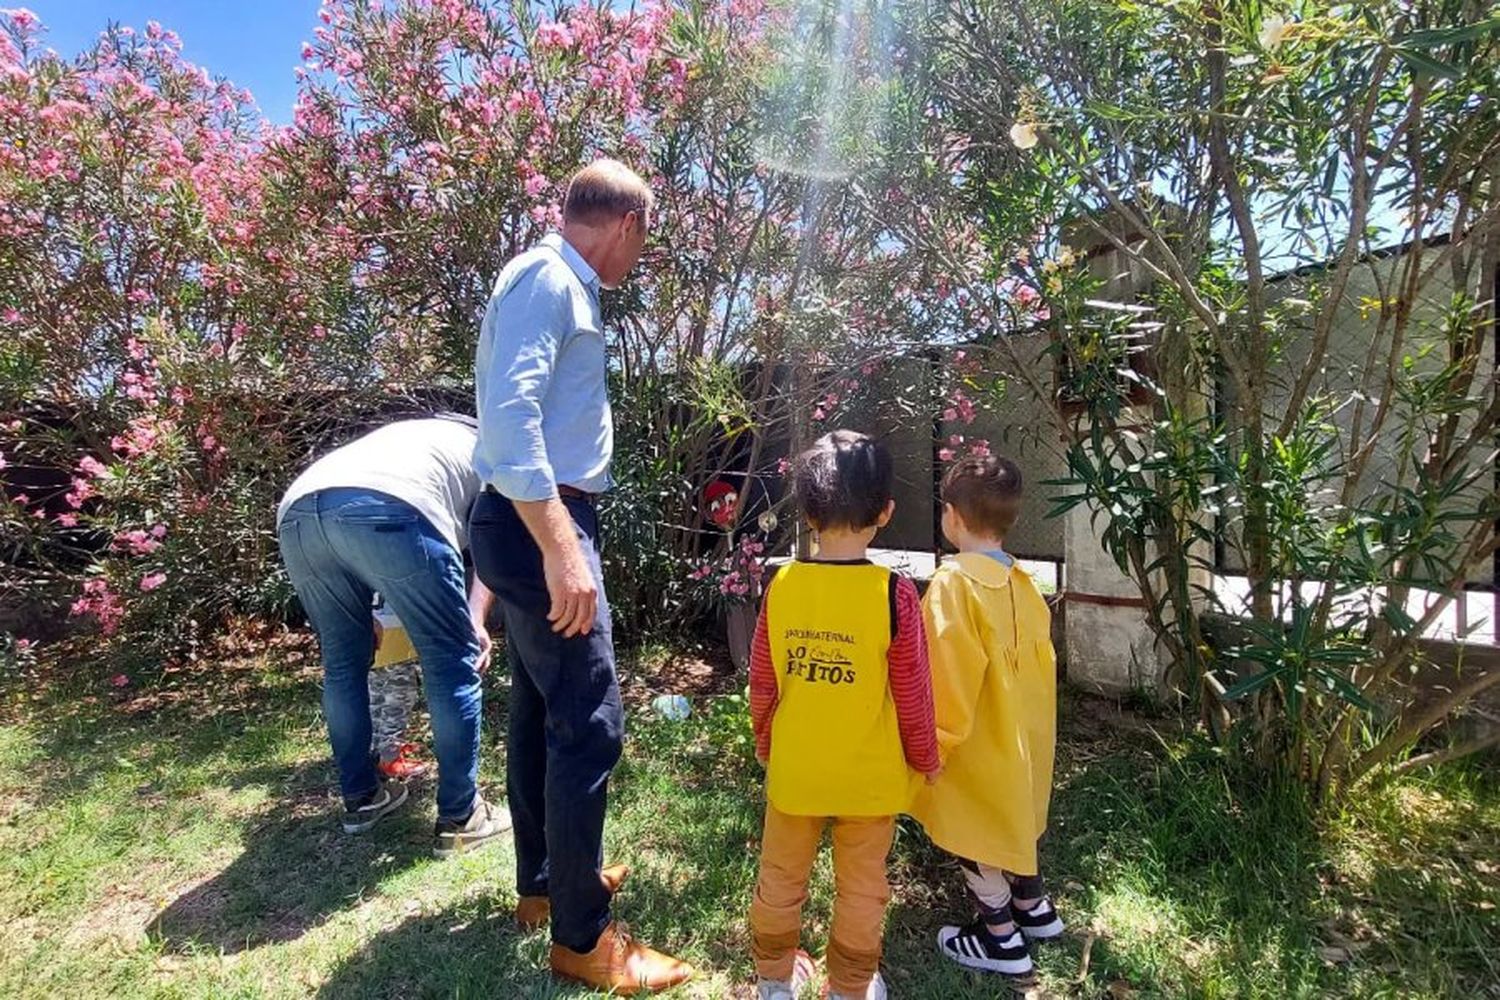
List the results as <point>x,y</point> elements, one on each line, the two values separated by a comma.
<point>341,545</point>
<point>566,723</point>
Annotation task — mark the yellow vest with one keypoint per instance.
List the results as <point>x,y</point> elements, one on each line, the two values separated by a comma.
<point>395,644</point>
<point>835,742</point>
<point>994,686</point>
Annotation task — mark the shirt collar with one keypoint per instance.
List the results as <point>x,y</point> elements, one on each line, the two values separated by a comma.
<point>574,259</point>
<point>984,570</point>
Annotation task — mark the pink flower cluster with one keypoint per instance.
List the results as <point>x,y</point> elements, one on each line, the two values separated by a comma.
<point>138,542</point>
<point>746,569</point>
<point>142,436</point>
<point>960,408</point>
<point>83,485</point>
<point>743,569</point>
<point>101,602</point>
<point>958,446</point>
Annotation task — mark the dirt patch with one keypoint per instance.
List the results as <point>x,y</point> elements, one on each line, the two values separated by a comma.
<point>1089,717</point>
<point>124,915</point>
<point>696,670</point>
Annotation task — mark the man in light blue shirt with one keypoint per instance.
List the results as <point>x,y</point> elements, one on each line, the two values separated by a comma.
<point>540,378</point>
<point>543,454</point>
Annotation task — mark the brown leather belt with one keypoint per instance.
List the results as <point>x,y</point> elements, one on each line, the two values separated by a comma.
<point>565,492</point>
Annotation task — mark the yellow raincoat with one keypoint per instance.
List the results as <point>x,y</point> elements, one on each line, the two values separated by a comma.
<point>994,685</point>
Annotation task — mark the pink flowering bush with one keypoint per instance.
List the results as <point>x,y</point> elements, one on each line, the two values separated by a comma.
<point>195,301</point>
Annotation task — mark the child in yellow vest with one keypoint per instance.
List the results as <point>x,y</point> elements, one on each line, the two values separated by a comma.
<point>994,680</point>
<point>395,682</point>
<point>841,704</point>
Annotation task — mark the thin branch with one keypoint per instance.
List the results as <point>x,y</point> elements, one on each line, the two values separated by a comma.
<point>1454,752</point>
<point>1411,729</point>
<point>1360,197</point>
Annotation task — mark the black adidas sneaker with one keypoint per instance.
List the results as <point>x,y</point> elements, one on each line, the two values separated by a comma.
<point>974,947</point>
<point>1039,922</point>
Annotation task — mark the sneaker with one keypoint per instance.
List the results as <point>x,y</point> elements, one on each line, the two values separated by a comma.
<point>1039,922</point>
<point>974,947</point>
<point>875,991</point>
<point>402,767</point>
<point>484,824</point>
<point>362,814</point>
<point>619,964</point>
<point>803,971</point>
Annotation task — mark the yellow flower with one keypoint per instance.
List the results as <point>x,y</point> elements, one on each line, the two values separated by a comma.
<point>1054,285</point>
<point>1023,134</point>
<point>1049,266</point>
<point>1273,31</point>
<point>1066,257</point>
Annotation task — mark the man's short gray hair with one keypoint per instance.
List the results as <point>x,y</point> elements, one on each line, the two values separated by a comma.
<point>604,191</point>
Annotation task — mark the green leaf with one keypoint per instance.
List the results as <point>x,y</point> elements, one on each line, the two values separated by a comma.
<point>1347,691</point>
<point>1431,37</point>
<point>1252,684</point>
<point>1426,65</point>
<point>1399,619</point>
<point>1106,110</point>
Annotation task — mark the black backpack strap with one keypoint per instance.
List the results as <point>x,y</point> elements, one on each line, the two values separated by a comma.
<point>893,581</point>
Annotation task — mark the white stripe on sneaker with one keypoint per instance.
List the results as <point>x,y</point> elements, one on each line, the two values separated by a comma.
<point>1008,957</point>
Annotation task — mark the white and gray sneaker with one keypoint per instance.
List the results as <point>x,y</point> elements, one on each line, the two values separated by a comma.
<point>974,947</point>
<point>1039,922</point>
<point>875,991</point>
<point>485,823</point>
<point>362,814</point>
<point>803,971</point>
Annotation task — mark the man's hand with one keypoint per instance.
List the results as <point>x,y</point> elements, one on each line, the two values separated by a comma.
<point>480,602</point>
<point>570,584</point>
<point>379,634</point>
<point>486,647</point>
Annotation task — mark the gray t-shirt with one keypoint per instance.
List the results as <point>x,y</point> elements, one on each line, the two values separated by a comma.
<point>427,463</point>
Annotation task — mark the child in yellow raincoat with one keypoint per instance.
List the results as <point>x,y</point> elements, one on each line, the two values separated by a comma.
<point>994,682</point>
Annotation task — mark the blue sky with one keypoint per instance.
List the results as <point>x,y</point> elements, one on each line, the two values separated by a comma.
<point>256,43</point>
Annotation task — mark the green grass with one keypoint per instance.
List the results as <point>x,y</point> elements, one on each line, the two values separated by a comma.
<point>182,842</point>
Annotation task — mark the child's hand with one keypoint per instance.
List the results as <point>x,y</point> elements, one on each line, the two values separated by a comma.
<point>933,776</point>
<point>764,762</point>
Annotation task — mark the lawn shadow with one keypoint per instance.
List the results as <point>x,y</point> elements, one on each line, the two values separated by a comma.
<point>1147,850</point>
<point>86,728</point>
<point>927,893</point>
<point>298,868</point>
<point>469,949</point>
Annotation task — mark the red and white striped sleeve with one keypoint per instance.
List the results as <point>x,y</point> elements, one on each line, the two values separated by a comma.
<point>911,682</point>
<point>763,691</point>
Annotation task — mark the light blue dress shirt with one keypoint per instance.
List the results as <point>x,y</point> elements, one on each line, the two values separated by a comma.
<point>539,378</point>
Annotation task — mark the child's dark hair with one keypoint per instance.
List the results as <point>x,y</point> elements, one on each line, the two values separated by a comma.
<point>843,481</point>
<point>986,492</point>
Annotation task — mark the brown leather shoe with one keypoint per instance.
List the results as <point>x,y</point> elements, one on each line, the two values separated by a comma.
<point>533,912</point>
<point>620,964</point>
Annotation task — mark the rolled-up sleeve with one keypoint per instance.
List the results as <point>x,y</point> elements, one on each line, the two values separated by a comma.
<point>525,326</point>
